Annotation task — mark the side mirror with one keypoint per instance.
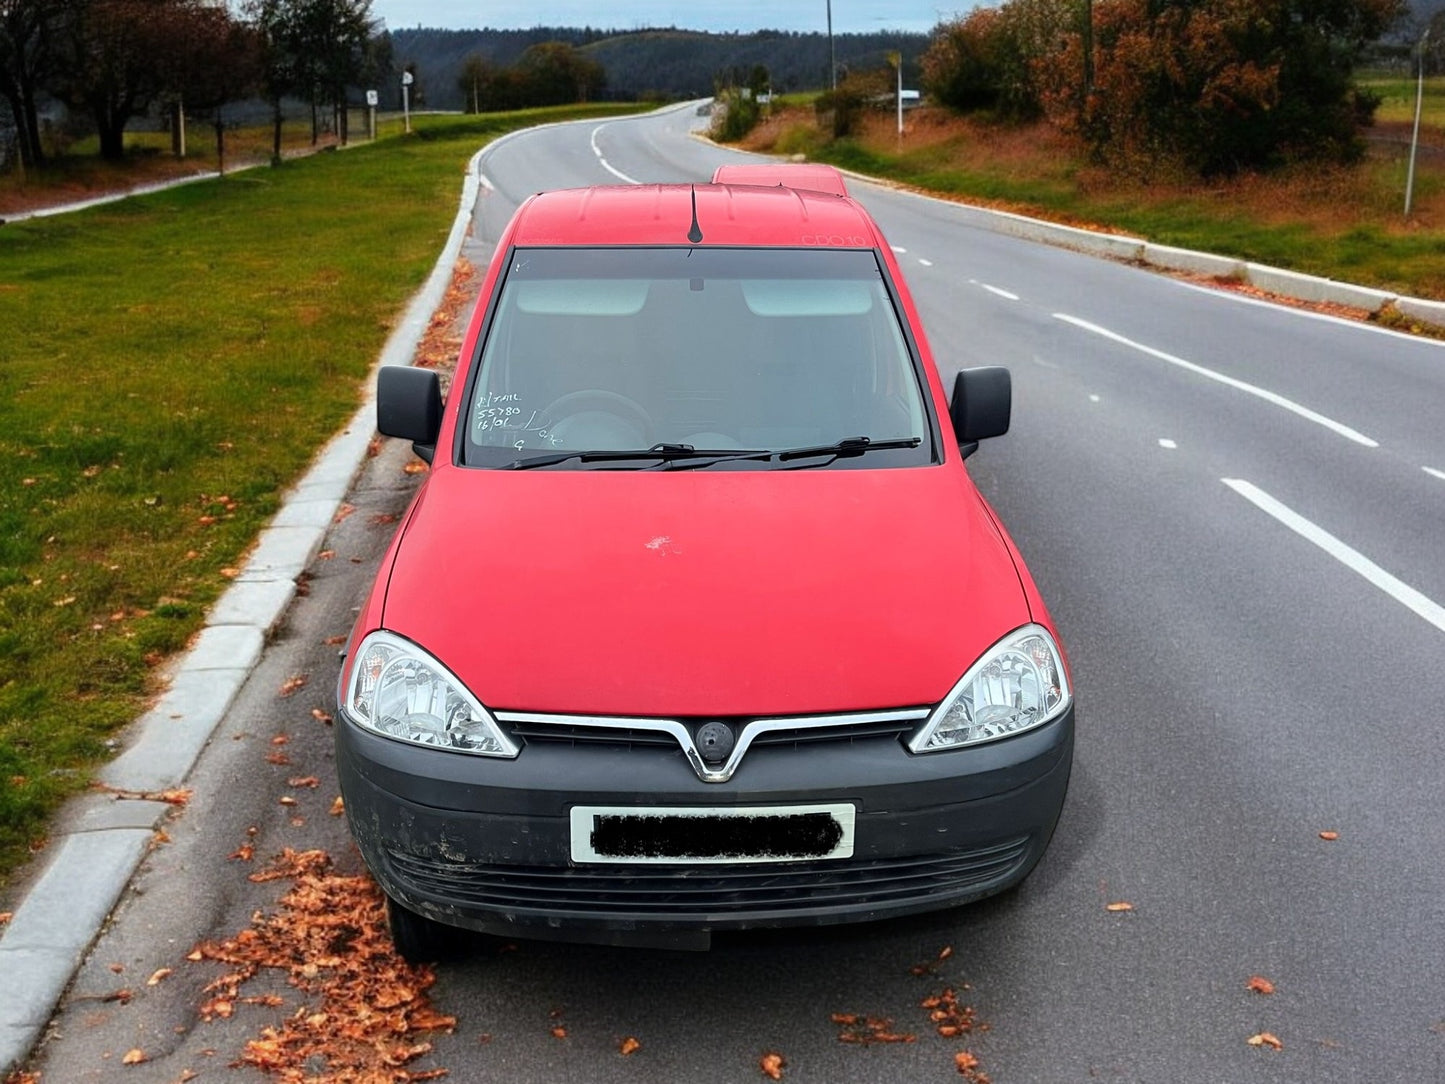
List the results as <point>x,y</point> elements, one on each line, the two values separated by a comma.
<point>980,407</point>
<point>409,405</point>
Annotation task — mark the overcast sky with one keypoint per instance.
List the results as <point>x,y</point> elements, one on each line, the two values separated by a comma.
<point>849,16</point>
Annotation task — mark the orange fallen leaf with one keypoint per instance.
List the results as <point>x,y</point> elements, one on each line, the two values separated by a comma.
<point>338,807</point>
<point>321,716</point>
<point>6,916</point>
<point>559,1032</point>
<point>117,968</point>
<point>279,759</point>
<point>1329,837</point>
<point>1118,907</point>
<point>244,853</point>
<point>158,976</point>
<point>291,684</point>
<point>343,511</point>
<point>772,1066</point>
<point>414,467</point>
<point>945,952</point>
<point>280,739</point>
<point>286,799</point>
<point>964,1061</point>
<point>303,781</point>
<point>133,1057</point>
<point>629,1045</point>
<point>1260,985</point>
<point>1265,1038</point>
<point>332,641</point>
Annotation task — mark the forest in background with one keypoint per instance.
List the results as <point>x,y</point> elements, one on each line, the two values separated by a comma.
<point>659,63</point>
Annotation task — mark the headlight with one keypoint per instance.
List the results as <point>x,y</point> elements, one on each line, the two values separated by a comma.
<point>398,690</point>
<point>1018,684</point>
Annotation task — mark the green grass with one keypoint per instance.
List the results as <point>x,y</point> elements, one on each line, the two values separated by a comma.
<point>1397,99</point>
<point>170,365</point>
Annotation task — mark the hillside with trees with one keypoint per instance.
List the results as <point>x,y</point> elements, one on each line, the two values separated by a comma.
<point>659,63</point>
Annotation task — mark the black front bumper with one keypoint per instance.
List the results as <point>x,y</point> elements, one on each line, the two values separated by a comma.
<point>485,844</point>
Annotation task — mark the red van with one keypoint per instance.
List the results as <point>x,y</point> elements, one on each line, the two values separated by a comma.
<point>697,621</point>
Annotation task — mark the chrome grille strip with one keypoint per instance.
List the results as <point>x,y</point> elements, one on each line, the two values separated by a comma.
<point>750,730</point>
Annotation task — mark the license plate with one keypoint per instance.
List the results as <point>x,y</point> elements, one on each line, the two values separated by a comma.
<point>713,834</point>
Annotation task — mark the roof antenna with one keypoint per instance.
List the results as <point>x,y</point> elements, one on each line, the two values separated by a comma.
<point>695,234</point>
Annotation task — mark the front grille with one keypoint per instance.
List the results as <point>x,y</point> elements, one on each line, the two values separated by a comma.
<point>569,734</point>
<point>671,892</point>
<point>533,730</point>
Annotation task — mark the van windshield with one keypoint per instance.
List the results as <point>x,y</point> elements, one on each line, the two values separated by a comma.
<point>623,349</point>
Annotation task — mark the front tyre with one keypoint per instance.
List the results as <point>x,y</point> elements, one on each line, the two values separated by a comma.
<point>418,939</point>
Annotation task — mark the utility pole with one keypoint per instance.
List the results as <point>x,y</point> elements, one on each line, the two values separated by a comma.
<point>1415,139</point>
<point>832,57</point>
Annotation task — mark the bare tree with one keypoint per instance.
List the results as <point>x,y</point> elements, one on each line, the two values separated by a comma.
<point>28,57</point>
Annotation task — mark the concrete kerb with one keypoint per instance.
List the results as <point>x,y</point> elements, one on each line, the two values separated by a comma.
<point>108,835</point>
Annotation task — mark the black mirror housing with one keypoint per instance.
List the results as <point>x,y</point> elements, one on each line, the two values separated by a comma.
<point>409,405</point>
<point>981,405</point>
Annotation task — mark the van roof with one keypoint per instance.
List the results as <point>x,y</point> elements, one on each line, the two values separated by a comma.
<point>665,214</point>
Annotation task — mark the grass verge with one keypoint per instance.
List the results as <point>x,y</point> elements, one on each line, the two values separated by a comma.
<point>171,364</point>
<point>1344,223</point>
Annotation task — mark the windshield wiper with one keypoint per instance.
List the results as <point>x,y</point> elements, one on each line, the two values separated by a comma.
<point>848,446</point>
<point>686,457</point>
<point>664,452</point>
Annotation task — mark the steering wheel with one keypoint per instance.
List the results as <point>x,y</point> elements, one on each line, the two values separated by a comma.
<point>595,410</point>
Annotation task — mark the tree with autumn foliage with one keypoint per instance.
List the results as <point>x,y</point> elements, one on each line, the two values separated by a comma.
<point>117,57</point>
<point>1216,86</point>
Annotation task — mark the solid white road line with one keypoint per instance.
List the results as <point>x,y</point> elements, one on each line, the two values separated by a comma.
<point>1434,473</point>
<point>608,166</point>
<point>926,263</point>
<point>1352,559</point>
<point>1268,396</point>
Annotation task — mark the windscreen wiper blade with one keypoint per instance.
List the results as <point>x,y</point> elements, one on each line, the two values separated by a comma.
<point>850,446</point>
<point>663,451</point>
<point>847,446</point>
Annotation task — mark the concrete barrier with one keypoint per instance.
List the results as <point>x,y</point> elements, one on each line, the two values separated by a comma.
<point>1193,263</point>
<point>1428,312</point>
<point>1310,288</point>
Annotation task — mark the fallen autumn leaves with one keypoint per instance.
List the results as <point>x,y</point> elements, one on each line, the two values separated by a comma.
<point>329,938</point>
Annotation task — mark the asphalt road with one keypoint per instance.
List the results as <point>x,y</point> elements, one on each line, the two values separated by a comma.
<point>1236,513</point>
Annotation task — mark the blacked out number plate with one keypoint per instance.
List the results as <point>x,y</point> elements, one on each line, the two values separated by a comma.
<point>691,834</point>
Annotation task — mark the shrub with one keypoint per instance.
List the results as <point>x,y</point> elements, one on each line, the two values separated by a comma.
<point>734,116</point>
<point>841,109</point>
